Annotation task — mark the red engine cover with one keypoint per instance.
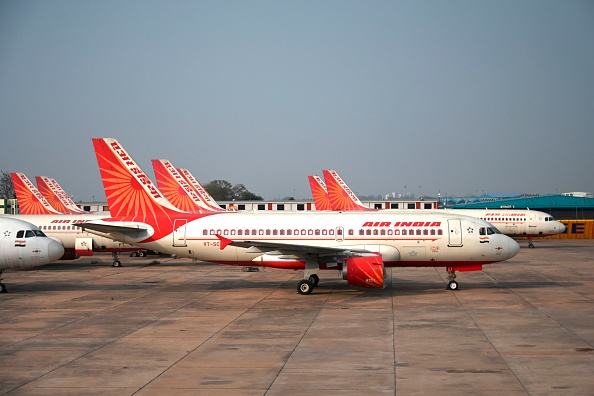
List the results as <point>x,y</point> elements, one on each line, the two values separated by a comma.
<point>364,271</point>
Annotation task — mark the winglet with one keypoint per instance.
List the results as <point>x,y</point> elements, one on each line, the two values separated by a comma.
<point>30,200</point>
<point>341,196</point>
<point>224,241</point>
<point>319,193</point>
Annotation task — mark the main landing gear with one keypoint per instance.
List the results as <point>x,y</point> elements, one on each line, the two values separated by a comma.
<point>452,284</point>
<point>116,260</point>
<point>306,286</point>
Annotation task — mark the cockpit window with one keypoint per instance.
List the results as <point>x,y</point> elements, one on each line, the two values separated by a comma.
<point>39,233</point>
<point>483,231</point>
<point>29,234</point>
<point>20,234</point>
<point>493,230</point>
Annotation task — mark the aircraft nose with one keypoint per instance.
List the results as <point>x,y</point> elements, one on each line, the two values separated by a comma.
<point>55,250</point>
<point>562,228</point>
<point>513,247</point>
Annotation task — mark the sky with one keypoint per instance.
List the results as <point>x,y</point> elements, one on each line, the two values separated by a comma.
<point>422,97</point>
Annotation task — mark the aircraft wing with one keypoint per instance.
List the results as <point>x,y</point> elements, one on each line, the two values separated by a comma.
<point>132,230</point>
<point>280,248</point>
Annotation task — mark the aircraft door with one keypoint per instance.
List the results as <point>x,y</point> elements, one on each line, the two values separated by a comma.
<point>179,232</point>
<point>454,233</point>
<point>339,234</point>
<point>531,219</point>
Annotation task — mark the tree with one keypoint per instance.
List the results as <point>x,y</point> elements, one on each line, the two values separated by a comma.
<point>222,190</point>
<point>6,186</point>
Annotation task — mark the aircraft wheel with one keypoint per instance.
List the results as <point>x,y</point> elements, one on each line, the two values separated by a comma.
<point>3,288</point>
<point>117,263</point>
<point>314,279</point>
<point>142,253</point>
<point>531,245</point>
<point>134,254</point>
<point>453,285</point>
<point>305,287</point>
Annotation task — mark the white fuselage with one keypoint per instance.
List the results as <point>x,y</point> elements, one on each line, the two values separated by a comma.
<point>403,239</point>
<point>23,246</point>
<point>516,222</point>
<point>60,226</point>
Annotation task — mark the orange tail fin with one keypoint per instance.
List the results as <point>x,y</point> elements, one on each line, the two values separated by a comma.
<point>56,196</point>
<point>204,195</point>
<point>31,201</point>
<point>319,193</point>
<point>129,191</point>
<point>341,196</point>
<point>176,189</point>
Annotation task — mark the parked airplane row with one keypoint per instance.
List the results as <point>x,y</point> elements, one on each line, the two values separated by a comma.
<point>180,218</point>
<point>336,195</point>
<point>358,244</point>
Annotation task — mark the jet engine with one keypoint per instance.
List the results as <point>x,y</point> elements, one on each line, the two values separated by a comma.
<point>364,271</point>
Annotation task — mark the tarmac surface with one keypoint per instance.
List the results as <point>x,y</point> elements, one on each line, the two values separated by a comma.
<point>163,326</point>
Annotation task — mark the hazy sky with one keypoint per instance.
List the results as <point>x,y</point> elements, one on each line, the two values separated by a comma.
<point>453,96</point>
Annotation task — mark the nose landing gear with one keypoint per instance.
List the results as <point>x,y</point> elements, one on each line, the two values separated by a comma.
<point>452,284</point>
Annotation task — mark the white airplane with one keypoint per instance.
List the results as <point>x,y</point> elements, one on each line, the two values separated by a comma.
<point>23,245</point>
<point>514,223</point>
<point>359,244</point>
<point>56,195</point>
<point>37,210</point>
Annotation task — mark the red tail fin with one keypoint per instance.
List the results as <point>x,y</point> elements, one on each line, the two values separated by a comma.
<point>129,191</point>
<point>176,189</point>
<point>319,193</point>
<point>56,196</point>
<point>204,195</point>
<point>31,201</point>
<point>341,196</point>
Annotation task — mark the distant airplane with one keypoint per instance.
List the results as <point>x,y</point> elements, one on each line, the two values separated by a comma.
<point>204,195</point>
<point>177,189</point>
<point>56,196</point>
<point>24,245</point>
<point>358,244</point>
<point>515,223</point>
<point>319,193</point>
<point>37,210</point>
<point>31,201</point>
